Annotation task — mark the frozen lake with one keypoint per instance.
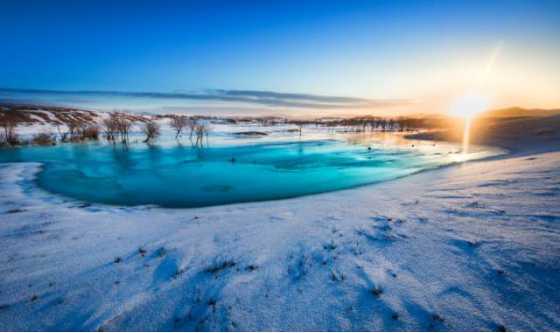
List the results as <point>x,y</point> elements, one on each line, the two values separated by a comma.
<point>230,171</point>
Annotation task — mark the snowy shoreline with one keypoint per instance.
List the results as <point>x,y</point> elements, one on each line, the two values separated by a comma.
<point>464,247</point>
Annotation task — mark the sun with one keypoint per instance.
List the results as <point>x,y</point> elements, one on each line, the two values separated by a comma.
<point>469,105</point>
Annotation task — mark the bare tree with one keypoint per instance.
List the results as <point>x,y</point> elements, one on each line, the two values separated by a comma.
<point>110,128</point>
<point>9,136</point>
<point>391,124</point>
<point>117,126</point>
<point>123,125</point>
<point>178,123</point>
<point>73,131</point>
<point>151,129</point>
<point>364,124</point>
<point>400,124</point>
<point>383,125</point>
<point>200,131</point>
<point>192,123</point>
<point>299,124</point>
<point>373,124</point>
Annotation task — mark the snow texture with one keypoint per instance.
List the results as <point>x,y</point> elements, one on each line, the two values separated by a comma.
<point>466,247</point>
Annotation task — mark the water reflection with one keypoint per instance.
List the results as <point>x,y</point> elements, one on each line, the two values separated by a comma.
<point>176,175</point>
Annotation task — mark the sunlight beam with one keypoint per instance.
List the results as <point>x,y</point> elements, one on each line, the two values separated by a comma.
<point>491,61</point>
<point>472,104</point>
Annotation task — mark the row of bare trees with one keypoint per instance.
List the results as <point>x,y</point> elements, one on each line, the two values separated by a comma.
<point>199,129</point>
<point>180,123</point>
<point>80,132</point>
<point>356,124</point>
<point>364,124</point>
<point>117,127</point>
<point>73,134</point>
<point>376,124</point>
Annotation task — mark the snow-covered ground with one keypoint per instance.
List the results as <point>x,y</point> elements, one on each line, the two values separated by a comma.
<point>467,247</point>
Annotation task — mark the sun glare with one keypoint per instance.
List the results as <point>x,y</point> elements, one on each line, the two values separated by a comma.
<point>467,107</point>
<point>470,105</point>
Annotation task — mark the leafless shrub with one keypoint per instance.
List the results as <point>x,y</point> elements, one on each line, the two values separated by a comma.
<point>77,132</point>
<point>90,132</point>
<point>151,129</point>
<point>178,123</point>
<point>44,139</point>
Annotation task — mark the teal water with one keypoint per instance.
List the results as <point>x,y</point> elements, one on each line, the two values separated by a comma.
<point>182,176</point>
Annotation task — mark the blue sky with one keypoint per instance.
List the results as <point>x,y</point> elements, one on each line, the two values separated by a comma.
<point>379,50</point>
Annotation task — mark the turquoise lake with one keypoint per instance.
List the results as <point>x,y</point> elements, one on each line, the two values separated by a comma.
<point>171,175</point>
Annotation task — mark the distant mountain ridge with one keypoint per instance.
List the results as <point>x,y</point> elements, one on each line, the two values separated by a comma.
<point>512,112</point>
<point>517,112</point>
